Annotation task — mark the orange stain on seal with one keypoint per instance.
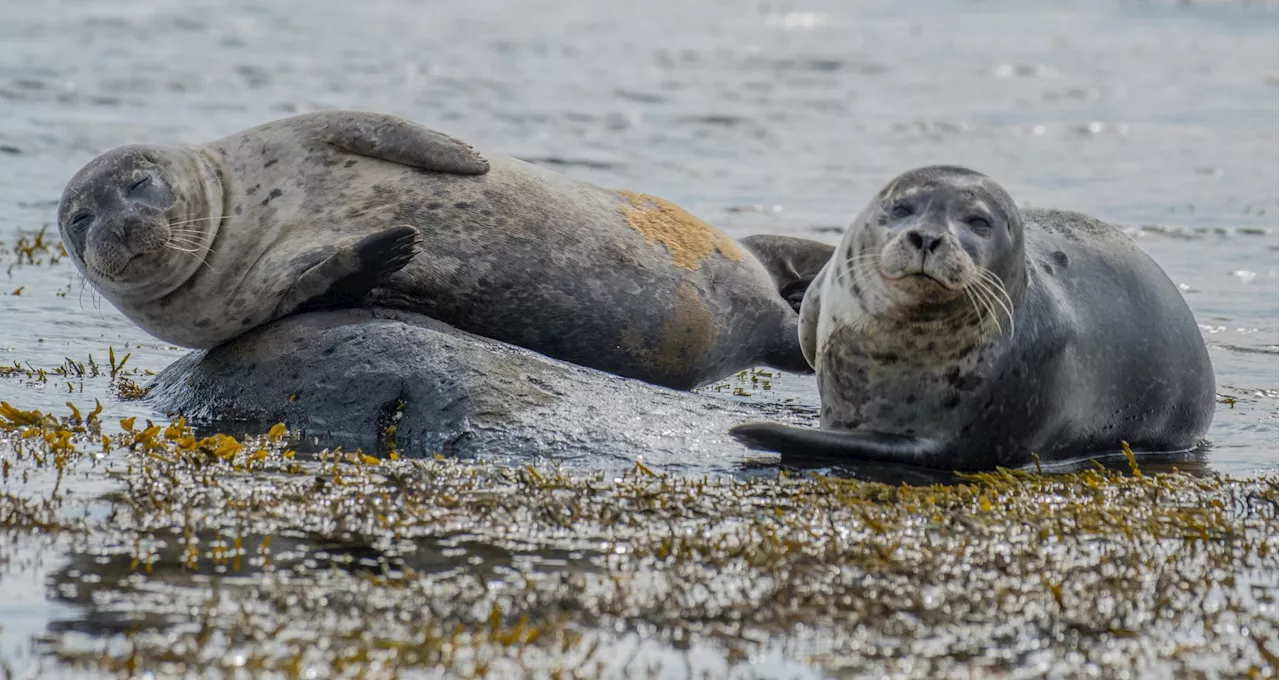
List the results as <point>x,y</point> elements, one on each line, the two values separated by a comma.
<point>684,340</point>
<point>687,238</point>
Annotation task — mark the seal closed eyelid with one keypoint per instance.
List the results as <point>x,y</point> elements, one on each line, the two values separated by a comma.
<point>140,182</point>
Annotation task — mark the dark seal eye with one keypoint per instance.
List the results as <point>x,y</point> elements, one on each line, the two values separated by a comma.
<point>144,181</point>
<point>81,220</point>
<point>979,224</point>
<point>901,210</point>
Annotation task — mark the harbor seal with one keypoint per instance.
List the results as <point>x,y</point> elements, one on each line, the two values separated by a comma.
<point>199,244</point>
<point>952,331</point>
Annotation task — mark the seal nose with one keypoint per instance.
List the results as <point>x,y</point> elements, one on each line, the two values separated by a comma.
<point>925,243</point>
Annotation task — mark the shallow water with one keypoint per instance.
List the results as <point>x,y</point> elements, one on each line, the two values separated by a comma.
<point>758,117</point>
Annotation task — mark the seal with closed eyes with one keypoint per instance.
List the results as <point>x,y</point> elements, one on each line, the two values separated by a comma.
<point>199,244</point>
<point>952,331</point>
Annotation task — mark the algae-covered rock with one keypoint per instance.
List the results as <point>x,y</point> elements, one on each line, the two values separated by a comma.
<point>376,378</point>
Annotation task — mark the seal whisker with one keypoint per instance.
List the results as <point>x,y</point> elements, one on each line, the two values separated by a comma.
<point>984,294</point>
<point>188,232</point>
<point>851,264</point>
<point>84,282</point>
<point>185,241</point>
<point>969,296</point>
<point>183,247</point>
<point>197,219</point>
<point>861,257</point>
<point>998,291</point>
<point>996,302</point>
<point>194,252</point>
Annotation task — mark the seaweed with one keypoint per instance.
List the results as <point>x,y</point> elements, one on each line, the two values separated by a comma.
<point>226,555</point>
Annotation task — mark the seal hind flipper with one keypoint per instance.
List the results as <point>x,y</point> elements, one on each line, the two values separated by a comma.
<point>399,141</point>
<point>807,447</point>
<point>348,275</point>
<point>792,262</point>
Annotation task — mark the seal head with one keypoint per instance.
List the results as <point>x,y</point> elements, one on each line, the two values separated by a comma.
<point>944,226</point>
<point>936,247</point>
<point>138,220</point>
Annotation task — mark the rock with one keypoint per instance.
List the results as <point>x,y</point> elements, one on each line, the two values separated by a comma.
<point>345,376</point>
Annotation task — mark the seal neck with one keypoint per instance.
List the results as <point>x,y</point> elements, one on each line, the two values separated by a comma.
<point>205,211</point>
<point>210,173</point>
<point>976,317</point>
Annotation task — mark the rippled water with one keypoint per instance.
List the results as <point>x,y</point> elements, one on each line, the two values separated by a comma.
<point>759,117</point>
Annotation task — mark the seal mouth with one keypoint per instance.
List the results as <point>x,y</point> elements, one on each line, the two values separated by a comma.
<point>919,279</point>
<point>117,273</point>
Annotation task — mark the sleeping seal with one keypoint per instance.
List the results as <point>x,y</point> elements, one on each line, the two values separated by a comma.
<point>951,331</point>
<point>199,244</point>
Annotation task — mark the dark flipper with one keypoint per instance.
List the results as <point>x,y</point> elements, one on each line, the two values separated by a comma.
<point>348,275</point>
<point>806,447</point>
<point>397,140</point>
<point>792,262</point>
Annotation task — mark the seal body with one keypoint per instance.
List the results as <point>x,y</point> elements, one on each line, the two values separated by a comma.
<point>345,376</point>
<point>199,244</point>
<point>950,330</point>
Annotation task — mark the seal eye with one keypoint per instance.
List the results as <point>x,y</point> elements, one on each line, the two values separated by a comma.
<point>901,210</point>
<point>144,181</point>
<point>81,220</point>
<point>979,224</point>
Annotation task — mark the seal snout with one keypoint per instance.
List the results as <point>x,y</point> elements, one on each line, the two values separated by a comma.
<point>118,240</point>
<point>927,256</point>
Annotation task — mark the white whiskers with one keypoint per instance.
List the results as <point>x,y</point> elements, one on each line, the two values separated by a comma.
<point>851,264</point>
<point>990,291</point>
<point>187,244</point>
<point>198,219</point>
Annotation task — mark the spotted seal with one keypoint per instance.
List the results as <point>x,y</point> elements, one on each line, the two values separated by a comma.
<point>952,331</point>
<point>199,244</point>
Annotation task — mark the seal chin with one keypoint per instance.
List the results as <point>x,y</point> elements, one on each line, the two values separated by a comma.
<point>115,269</point>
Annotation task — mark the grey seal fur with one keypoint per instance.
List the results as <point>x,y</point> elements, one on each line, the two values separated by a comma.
<point>345,376</point>
<point>199,244</point>
<point>952,331</point>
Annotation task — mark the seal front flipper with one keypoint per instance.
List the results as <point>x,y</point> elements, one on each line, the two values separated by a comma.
<point>397,140</point>
<point>792,262</point>
<point>806,447</point>
<point>346,276</point>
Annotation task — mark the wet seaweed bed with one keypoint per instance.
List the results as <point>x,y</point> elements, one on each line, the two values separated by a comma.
<point>183,554</point>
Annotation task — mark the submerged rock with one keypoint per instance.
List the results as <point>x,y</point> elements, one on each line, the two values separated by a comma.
<point>378,378</point>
